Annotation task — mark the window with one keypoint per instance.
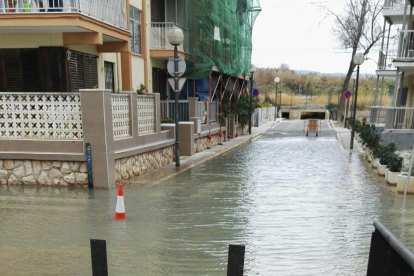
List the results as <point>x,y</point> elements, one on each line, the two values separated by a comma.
<point>135,17</point>
<point>109,76</point>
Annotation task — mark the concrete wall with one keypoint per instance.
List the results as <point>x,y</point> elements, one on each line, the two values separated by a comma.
<point>403,139</point>
<point>45,161</point>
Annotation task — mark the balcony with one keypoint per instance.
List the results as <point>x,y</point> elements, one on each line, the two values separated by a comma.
<point>392,117</point>
<point>394,11</point>
<point>159,45</point>
<point>385,64</point>
<point>405,57</point>
<point>111,12</point>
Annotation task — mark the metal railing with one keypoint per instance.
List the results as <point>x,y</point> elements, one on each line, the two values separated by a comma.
<point>388,255</point>
<point>378,115</point>
<point>159,40</point>
<point>386,60</point>
<point>394,4</point>
<point>168,110</point>
<point>393,117</point>
<point>99,259</point>
<point>109,11</point>
<point>407,40</point>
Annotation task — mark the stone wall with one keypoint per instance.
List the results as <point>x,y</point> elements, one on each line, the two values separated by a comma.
<point>205,143</point>
<point>129,167</point>
<point>44,173</point>
<point>242,131</point>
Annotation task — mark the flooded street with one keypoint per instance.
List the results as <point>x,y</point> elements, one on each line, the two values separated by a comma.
<point>302,206</point>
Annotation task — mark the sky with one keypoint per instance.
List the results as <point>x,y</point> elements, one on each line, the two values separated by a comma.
<point>299,33</point>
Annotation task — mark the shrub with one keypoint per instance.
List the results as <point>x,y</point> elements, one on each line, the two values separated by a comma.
<point>386,154</point>
<point>167,121</point>
<point>395,163</point>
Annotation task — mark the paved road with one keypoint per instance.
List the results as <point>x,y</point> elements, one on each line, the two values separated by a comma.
<point>294,128</point>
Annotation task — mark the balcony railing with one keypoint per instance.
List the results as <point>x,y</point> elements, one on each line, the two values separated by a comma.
<point>385,60</point>
<point>109,11</point>
<point>393,117</point>
<point>159,40</point>
<point>394,4</point>
<point>407,51</point>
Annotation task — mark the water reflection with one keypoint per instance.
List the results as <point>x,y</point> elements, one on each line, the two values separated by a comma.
<point>301,206</point>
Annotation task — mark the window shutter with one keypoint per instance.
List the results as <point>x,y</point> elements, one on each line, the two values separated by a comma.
<point>30,70</point>
<point>87,71</point>
<point>73,73</point>
<point>80,71</point>
<point>83,71</point>
<point>13,73</point>
<point>94,71</point>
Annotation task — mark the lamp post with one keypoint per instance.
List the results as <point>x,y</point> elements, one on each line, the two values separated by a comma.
<point>252,71</point>
<point>358,60</point>
<point>176,37</point>
<point>277,80</point>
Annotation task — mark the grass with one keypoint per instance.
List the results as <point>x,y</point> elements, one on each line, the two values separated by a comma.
<point>364,101</point>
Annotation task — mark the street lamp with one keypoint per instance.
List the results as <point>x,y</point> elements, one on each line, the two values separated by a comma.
<point>358,60</point>
<point>175,37</point>
<point>252,71</point>
<point>277,80</point>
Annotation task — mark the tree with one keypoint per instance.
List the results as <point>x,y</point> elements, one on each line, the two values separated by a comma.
<point>357,28</point>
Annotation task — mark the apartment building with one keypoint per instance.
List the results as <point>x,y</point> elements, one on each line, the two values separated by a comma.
<point>69,70</point>
<point>396,61</point>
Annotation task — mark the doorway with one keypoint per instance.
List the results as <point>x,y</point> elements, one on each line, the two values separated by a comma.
<point>109,76</point>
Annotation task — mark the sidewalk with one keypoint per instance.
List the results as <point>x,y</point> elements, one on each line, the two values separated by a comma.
<point>188,162</point>
<point>344,137</point>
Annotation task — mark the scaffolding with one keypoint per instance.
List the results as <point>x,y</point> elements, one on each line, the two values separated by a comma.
<point>220,33</point>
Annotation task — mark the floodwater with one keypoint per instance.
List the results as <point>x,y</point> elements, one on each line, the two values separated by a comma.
<point>302,206</point>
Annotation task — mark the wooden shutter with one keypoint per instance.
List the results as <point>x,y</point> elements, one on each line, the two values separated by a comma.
<point>54,72</point>
<point>94,71</point>
<point>30,70</point>
<point>83,71</point>
<point>13,73</point>
<point>2,74</point>
<point>73,73</point>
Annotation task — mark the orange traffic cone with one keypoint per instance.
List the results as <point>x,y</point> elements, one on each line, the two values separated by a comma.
<point>120,205</point>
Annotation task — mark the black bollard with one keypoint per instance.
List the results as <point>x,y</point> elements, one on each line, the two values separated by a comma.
<point>236,260</point>
<point>99,259</point>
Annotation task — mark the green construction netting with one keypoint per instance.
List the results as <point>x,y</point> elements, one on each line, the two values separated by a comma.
<point>220,33</point>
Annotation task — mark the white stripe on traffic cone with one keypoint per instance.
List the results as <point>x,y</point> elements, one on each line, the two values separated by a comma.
<point>120,205</point>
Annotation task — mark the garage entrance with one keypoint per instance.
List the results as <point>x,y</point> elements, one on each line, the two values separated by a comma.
<point>312,115</point>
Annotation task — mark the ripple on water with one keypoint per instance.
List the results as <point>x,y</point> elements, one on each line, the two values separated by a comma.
<point>301,207</point>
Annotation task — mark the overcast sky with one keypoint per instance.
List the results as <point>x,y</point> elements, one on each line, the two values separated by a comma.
<point>299,34</point>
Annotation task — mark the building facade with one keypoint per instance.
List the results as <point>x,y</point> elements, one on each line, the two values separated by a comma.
<point>396,61</point>
<point>83,85</point>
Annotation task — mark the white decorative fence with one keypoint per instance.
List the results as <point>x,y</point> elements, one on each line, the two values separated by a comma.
<point>146,114</point>
<point>121,116</point>
<point>41,116</point>
<point>108,11</point>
